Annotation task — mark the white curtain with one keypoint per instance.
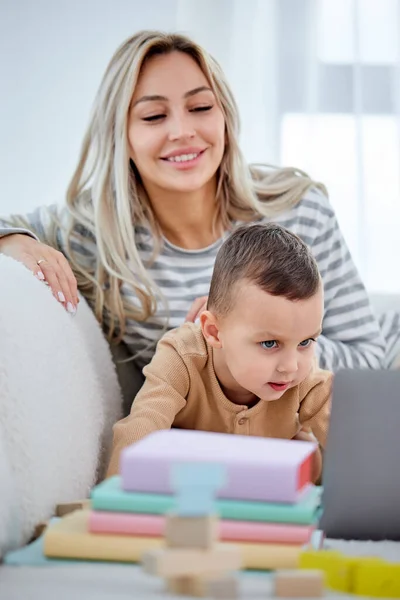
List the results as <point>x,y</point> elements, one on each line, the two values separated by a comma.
<point>318,87</point>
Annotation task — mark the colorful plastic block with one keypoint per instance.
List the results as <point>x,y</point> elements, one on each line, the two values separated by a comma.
<point>377,578</point>
<point>198,475</point>
<point>196,485</point>
<point>338,568</point>
<point>190,503</point>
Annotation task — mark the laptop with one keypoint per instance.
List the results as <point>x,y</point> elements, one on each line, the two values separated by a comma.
<point>361,475</point>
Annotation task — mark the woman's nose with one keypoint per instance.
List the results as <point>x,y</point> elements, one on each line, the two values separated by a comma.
<point>181,128</point>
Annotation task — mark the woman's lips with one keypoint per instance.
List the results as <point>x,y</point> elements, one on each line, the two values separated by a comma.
<point>184,161</point>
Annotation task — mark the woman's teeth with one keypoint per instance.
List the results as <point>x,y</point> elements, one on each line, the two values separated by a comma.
<point>183,157</point>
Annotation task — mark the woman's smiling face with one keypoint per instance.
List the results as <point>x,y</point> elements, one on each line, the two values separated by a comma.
<point>176,128</point>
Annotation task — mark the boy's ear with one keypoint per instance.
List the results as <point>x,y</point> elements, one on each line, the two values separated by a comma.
<point>210,328</point>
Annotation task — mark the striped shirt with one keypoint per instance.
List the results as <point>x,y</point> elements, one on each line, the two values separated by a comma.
<point>352,337</point>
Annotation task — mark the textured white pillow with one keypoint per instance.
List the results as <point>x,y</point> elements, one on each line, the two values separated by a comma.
<point>59,396</point>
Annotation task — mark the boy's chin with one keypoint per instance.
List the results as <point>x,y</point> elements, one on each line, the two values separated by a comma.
<point>276,397</point>
<point>271,396</point>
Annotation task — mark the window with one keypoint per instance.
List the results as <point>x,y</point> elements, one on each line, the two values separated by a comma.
<point>339,100</point>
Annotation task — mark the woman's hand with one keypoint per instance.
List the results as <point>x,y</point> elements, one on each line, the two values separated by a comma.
<point>47,264</point>
<point>198,306</point>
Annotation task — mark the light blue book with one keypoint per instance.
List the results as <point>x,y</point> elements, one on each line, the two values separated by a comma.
<point>109,496</point>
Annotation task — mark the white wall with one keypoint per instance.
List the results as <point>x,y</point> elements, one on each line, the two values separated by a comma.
<point>52,56</point>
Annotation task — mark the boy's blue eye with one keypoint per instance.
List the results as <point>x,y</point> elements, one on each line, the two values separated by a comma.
<point>307,343</point>
<point>269,344</point>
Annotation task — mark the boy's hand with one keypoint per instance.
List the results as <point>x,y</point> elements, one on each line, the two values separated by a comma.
<point>305,435</point>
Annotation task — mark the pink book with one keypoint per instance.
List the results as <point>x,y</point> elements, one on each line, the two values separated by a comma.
<point>257,468</point>
<point>239,531</point>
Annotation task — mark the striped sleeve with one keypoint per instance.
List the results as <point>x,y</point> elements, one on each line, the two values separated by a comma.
<point>390,326</point>
<point>351,336</point>
<point>36,224</point>
<point>48,224</point>
<point>9,230</point>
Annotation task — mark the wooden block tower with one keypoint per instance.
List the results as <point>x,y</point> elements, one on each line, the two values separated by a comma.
<point>193,563</point>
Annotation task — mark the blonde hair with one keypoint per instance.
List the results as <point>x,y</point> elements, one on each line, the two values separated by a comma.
<point>107,199</point>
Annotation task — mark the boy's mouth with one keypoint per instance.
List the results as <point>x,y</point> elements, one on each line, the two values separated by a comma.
<point>279,386</point>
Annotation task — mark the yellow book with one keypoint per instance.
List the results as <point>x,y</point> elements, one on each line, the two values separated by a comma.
<point>69,538</point>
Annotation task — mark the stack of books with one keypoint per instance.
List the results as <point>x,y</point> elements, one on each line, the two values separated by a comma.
<point>268,506</point>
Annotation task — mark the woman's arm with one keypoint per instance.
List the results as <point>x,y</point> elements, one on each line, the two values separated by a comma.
<point>49,225</point>
<point>39,241</point>
<point>351,336</point>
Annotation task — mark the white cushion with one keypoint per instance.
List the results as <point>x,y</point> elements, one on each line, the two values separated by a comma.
<point>59,396</point>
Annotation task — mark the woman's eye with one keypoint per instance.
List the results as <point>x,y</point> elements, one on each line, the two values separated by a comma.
<point>153,118</point>
<point>201,108</point>
<point>268,345</point>
<point>307,343</point>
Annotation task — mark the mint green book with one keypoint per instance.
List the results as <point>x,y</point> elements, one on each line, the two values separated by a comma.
<point>109,496</point>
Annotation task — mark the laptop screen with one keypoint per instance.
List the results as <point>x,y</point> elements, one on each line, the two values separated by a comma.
<point>361,474</point>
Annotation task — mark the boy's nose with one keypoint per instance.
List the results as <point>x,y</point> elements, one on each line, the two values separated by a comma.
<point>288,363</point>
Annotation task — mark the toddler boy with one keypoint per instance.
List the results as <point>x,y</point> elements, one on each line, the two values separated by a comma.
<point>249,366</point>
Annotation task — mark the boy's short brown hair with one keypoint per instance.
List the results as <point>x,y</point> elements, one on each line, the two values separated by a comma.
<point>269,256</point>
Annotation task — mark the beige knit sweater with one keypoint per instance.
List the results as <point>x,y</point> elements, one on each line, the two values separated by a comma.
<point>182,390</point>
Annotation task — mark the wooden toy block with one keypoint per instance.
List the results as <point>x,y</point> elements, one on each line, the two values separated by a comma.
<point>223,586</point>
<point>184,586</point>
<point>177,562</point>
<point>374,577</point>
<point>338,568</point>
<point>68,507</point>
<point>226,586</point>
<point>191,532</point>
<point>299,583</point>
<point>39,530</point>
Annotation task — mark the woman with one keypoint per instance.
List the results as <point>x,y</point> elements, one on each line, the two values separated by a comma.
<point>160,182</point>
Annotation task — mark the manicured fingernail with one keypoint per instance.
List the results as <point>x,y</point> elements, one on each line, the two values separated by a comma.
<point>61,297</point>
<point>40,275</point>
<point>71,309</point>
